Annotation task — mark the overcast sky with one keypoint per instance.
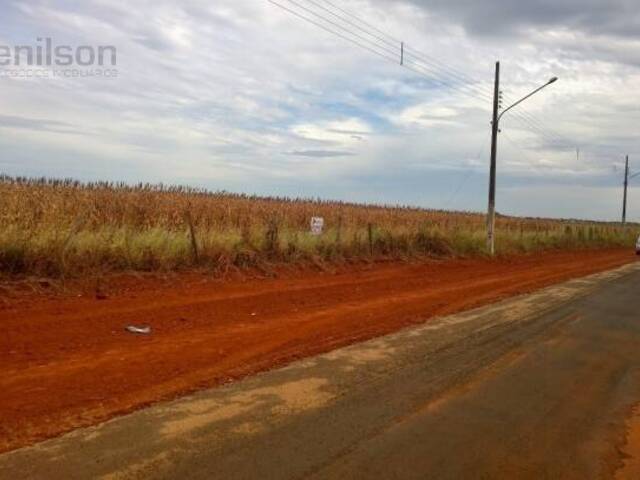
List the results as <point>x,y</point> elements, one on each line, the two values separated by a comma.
<point>242,95</point>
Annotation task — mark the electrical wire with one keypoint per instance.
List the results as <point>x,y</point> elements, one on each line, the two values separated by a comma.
<point>408,49</point>
<point>373,47</point>
<point>293,12</point>
<point>452,75</point>
<point>527,118</point>
<point>391,43</point>
<point>425,68</point>
<point>437,72</point>
<point>550,139</point>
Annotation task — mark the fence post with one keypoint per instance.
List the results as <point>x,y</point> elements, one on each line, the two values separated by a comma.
<point>192,234</point>
<point>77,225</point>
<point>370,231</point>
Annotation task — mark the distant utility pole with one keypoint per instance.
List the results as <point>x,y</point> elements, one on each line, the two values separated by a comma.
<point>491,213</point>
<point>626,185</point>
<point>495,128</point>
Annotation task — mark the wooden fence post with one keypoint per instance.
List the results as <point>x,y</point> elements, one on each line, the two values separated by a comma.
<point>192,234</point>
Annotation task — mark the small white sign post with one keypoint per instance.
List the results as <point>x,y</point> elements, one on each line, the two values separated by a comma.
<point>317,224</point>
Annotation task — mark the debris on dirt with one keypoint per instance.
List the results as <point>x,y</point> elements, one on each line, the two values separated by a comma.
<point>143,330</point>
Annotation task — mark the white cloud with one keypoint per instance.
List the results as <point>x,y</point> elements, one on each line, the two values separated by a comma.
<point>244,96</point>
<point>342,132</point>
<point>426,115</point>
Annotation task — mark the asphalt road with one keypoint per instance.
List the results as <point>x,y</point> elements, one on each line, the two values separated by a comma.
<point>540,386</point>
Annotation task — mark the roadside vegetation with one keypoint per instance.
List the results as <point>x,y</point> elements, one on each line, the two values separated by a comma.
<point>60,228</point>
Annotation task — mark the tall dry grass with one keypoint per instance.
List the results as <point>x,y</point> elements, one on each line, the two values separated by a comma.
<point>64,227</point>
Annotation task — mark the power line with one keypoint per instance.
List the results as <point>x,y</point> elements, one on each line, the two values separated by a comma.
<point>551,136</point>
<point>436,70</point>
<point>391,40</point>
<point>469,85</point>
<point>537,125</point>
<point>388,47</point>
<point>393,43</point>
<point>363,22</point>
<point>425,65</point>
<point>554,140</point>
<point>293,12</point>
<point>450,72</point>
<point>375,48</point>
<point>457,78</point>
<point>465,90</point>
<point>453,73</point>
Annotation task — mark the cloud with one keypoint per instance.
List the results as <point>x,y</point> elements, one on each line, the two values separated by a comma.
<point>426,115</point>
<point>320,153</point>
<point>242,96</point>
<point>499,17</point>
<point>37,124</point>
<point>334,131</point>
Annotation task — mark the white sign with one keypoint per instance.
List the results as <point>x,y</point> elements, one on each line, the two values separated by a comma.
<point>317,224</point>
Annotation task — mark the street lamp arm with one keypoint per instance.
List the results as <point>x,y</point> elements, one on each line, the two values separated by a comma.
<point>495,123</point>
<point>526,96</point>
<point>634,175</point>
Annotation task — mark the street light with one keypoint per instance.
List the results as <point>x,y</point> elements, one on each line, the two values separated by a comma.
<point>552,80</point>
<point>491,213</point>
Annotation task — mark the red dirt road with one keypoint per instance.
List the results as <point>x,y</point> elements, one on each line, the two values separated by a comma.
<point>67,362</point>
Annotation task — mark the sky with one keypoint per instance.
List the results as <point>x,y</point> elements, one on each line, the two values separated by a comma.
<point>246,96</point>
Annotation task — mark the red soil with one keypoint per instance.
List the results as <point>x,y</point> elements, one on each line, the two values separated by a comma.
<point>67,362</point>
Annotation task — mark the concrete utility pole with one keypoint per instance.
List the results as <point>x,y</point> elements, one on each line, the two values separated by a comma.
<point>491,212</point>
<point>495,128</point>
<point>626,185</point>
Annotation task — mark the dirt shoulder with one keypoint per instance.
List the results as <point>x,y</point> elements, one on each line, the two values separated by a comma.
<point>68,362</point>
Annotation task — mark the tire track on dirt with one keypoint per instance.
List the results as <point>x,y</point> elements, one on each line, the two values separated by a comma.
<point>68,363</point>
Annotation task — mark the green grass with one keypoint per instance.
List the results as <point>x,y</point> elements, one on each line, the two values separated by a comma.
<point>58,253</point>
<point>63,228</point>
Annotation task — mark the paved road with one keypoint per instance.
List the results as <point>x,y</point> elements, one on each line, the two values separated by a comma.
<point>541,386</point>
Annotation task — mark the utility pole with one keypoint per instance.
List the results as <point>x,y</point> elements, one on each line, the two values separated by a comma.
<point>495,128</point>
<point>491,213</point>
<point>624,197</point>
